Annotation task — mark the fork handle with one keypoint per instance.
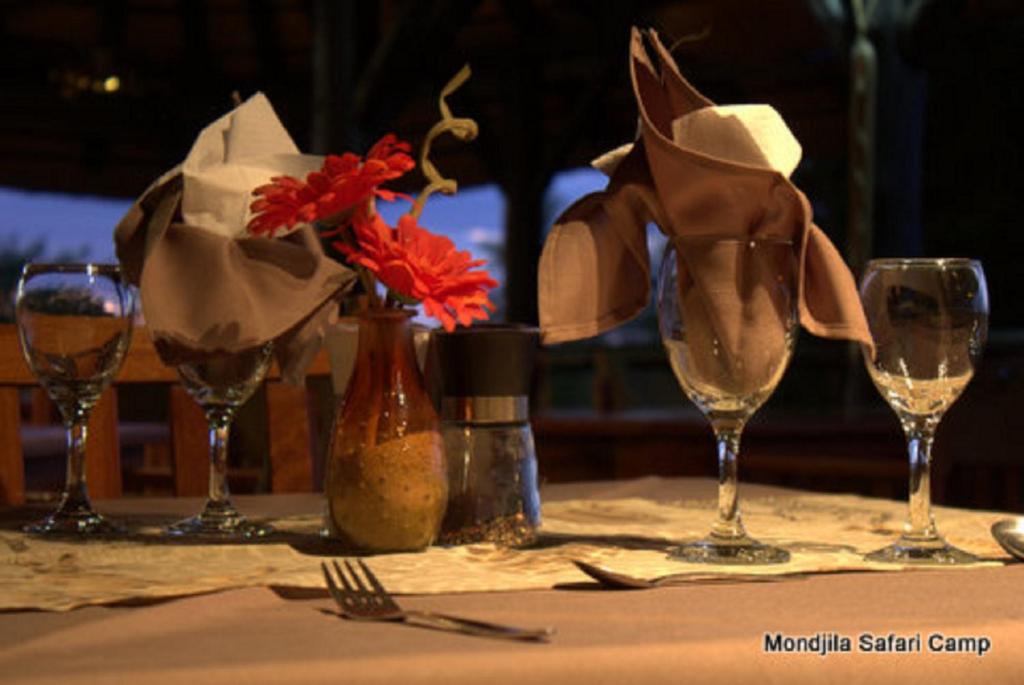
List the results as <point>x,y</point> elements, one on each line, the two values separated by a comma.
<point>724,578</point>
<point>471,627</point>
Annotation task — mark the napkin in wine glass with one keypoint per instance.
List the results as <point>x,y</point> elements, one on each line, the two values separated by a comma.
<point>205,286</point>
<point>696,169</point>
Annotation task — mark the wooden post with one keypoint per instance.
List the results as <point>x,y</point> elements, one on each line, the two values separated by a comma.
<point>861,177</point>
<point>190,444</point>
<point>12,463</point>
<point>860,207</point>
<point>291,463</point>
<point>41,408</point>
<point>335,38</point>
<point>103,449</point>
<point>524,183</point>
<point>523,219</point>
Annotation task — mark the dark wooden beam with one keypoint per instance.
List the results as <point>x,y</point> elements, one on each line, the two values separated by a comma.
<point>336,30</point>
<point>196,54</point>
<point>524,183</point>
<point>409,50</point>
<point>374,74</point>
<point>614,19</point>
<point>112,28</point>
<point>267,36</point>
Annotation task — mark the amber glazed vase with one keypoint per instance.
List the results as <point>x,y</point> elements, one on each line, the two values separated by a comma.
<point>385,480</point>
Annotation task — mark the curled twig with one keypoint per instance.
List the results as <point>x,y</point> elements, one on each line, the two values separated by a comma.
<point>464,129</point>
<point>694,37</point>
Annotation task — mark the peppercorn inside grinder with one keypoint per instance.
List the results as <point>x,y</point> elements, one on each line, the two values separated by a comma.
<point>485,374</point>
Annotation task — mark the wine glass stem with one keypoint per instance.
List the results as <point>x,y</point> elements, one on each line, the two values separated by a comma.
<point>920,435</point>
<point>728,523</point>
<point>220,427</point>
<point>76,496</point>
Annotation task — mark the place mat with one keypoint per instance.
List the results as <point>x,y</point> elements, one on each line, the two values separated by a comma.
<point>824,533</point>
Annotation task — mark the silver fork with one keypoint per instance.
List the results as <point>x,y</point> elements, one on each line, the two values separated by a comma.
<point>369,601</point>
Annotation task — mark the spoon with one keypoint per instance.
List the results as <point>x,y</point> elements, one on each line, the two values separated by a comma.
<point>621,581</point>
<point>1009,533</point>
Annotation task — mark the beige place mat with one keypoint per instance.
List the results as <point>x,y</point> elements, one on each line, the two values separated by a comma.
<point>824,533</point>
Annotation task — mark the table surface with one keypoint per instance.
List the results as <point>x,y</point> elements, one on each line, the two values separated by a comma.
<point>708,633</point>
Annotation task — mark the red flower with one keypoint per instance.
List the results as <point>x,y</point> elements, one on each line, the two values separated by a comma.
<point>417,264</point>
<point>341,184</point>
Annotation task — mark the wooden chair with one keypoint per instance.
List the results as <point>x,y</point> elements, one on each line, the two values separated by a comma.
<point>288,421</point>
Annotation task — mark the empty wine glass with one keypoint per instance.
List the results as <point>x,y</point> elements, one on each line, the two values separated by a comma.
<point>221,384</point>
<point>74,324</point>
<point>727,315</point>
<point>929,321</point>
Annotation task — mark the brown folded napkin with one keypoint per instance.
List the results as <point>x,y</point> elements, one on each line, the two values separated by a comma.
<point>696,170</point>
<point>205,286</point>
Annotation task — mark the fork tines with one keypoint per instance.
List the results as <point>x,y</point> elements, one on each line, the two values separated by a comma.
<point>359,598</point>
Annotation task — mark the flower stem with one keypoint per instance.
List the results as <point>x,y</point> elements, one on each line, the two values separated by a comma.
<point>369,285</point>
<point>365,277</point>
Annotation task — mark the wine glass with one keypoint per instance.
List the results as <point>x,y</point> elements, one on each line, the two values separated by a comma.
<point>728,320</point>
<point>929,320</point>
<point>75,325</point>
<point>220,384</point>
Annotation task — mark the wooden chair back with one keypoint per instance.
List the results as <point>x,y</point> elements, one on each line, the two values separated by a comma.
<point>288,422</point>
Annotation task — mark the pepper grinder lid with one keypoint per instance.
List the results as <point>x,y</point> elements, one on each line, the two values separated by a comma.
<point>487,360</point>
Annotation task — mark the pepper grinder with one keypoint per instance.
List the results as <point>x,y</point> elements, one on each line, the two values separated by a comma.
<point>485,374</point>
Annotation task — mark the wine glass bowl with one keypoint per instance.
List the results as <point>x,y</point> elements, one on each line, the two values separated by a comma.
<point>929,321</point>
<point>74,323</point>
<point>220,384</point>
<point>727,318</point>
<point>225,380</point>
<point>727,315</point>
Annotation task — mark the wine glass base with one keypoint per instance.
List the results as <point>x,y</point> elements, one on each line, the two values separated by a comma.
<point>197,528</point>
<point>76,522</point>
<point>937,552</point>
<point>219,522</point>
<point>744,552</point>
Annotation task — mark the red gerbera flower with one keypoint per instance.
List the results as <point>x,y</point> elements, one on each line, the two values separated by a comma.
<point>341,184</point>
<point>419,265</point>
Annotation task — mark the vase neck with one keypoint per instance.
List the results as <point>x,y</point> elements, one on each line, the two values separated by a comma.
<point>386,360</point>
<point>387,394</point>
<point>385,337</point>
